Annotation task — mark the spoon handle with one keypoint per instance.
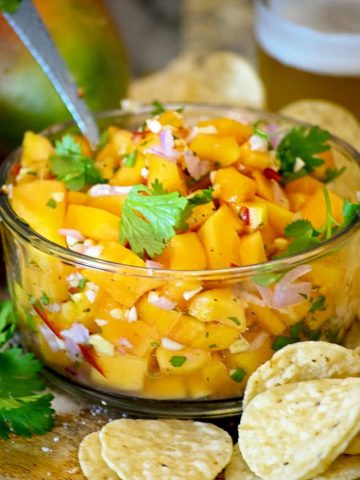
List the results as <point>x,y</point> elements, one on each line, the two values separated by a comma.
<point>28,25</point>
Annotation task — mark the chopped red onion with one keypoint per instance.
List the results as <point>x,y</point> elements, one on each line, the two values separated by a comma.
<point>104,190</point>
<point>196,167</point>
<point>72,233</point>
<point>166,147</point>
<point>161,302</point>
<point>77,332</point>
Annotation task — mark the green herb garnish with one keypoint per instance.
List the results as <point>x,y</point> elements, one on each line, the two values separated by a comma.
<point>82,283</point>
<point>318,304</point>
<point>304,234</point>
<point>301,143</point>
<point>350,212</point>
<point>235,320</point>
<point>202,198</point>
<point>51,203</point>
<point>266,279</point>
<point>332,173</point>
<point>157,108</point>
<point>7,322</point>
<point>148,218</point>
<point>281,342</point>
<point>71,166</point>
<point>23,410</point>
<point>177,361</point>
<point>129,159</point>
<point>44,299</point>
<point>238,375</point>
<point>9,6</point>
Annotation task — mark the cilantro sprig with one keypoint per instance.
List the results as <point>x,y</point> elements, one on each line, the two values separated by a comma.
<point>301,143</point>
<point>149,217</point>
<point>73,167</point>
<point>305,236</point>
<point>23,410</point>
<point>7,321</point>
<point>157,108</point>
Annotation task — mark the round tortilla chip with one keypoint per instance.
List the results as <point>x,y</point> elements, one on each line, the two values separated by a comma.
<point>91,462</point>
<point>296,431</point>
<point>344,468</point>
<point>328,115</point>
<point>303,361</point>
<point>228,78</point>
<point>237,468</point>
<point>218,77</point>
<point>165,449</point>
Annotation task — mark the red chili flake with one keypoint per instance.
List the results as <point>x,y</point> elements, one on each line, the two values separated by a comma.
<point>90,356</point>
<point>271,174</point>
<point>245,215</point>
<point>15,169</point>
<point>48,322</point>
<point>138,135</point>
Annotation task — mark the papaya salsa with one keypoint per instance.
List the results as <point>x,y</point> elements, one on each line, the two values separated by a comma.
<point>177,195</point>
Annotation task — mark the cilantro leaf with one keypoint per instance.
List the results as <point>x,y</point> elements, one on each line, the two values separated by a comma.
<point>73,167</point>
<point>351,211</point>
<point>332,173</point>
<point>148,219</point>
<point>281,341</point>
<point>304,234</point>
<point>157,108</point>
<point>26,416</point>
<point>18,374</point>
<point>9,6</point>
<point>301,143</point>
<point>201,198</point>
<point>157,188</point>
<point>22,409</point>
<point>7,321</point>
<point>318,304</point>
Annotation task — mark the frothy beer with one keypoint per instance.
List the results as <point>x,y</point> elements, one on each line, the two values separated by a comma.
<point>311,49</point>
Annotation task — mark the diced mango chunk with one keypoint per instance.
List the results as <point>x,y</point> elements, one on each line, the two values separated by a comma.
<point>315,208</point>
<point>181,362</point>
<point>183,252</point>
<point>93,222</point>
<point>224,150</point>
<point>232,186</point>
<point>219,305</point>
<point>228,127</point>
<point>252,249</point>
<point>42,204</point>
<point>122,373</point>
<point>268,319</point>
<point>167,173</point>
<point>219,236</point>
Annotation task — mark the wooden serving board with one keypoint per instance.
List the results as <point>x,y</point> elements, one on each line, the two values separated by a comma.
<point>54,456</point>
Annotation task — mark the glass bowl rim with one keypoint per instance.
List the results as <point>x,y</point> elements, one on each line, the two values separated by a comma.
<point>23,230</point>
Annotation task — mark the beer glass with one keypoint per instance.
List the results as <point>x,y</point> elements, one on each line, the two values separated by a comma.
<point>309,49</point>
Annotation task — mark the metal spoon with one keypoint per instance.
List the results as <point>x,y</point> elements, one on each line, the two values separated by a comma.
<point>29,27</point>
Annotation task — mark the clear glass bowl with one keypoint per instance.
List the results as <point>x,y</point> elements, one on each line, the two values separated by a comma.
<point>132,370</point>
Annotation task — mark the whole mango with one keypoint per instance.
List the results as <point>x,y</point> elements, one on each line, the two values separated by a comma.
<point>90,45</point>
